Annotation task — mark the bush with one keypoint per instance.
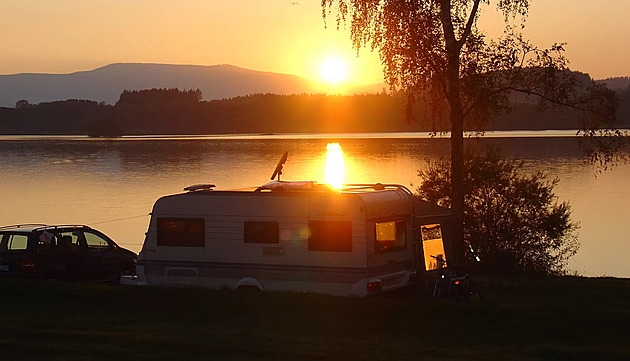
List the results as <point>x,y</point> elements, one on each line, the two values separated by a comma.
<point>512,221</point>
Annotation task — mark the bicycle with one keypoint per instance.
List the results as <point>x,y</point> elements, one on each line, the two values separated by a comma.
<point>453,285</point>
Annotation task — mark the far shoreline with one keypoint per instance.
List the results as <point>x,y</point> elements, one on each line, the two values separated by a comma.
<point>281,136</point>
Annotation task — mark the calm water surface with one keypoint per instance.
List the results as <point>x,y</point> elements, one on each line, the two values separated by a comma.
<point>112,184</point>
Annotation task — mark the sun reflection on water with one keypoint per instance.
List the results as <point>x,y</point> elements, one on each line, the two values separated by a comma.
<point>334,165</point>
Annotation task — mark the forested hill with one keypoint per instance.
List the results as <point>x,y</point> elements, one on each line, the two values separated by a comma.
<point>173,111</point>
<point>618,83</point>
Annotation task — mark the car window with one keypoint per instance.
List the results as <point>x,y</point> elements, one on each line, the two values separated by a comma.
<point>45,244</point>
<point>95,241</point>
<point>17,242</point>
<point>68,240</point>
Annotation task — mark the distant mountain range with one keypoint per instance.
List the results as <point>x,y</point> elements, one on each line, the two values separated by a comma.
<point>107,83</point>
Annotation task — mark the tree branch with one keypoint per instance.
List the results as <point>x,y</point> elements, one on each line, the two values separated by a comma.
<point>551,100</point>
<point>447,25</point>
<point>469,24</point>
<point>529,91</point>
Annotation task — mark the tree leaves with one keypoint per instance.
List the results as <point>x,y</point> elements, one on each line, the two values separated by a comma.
<point>417,40</point>
<point>513,221</point>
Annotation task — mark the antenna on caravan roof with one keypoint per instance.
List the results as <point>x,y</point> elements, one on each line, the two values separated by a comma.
<point>278,170</point>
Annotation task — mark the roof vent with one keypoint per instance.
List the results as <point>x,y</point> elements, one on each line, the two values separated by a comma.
<point>200,187</point>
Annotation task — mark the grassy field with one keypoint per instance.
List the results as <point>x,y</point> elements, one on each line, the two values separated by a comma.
<point>542,319</point>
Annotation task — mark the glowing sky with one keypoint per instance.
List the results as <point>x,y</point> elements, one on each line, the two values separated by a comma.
<point>62,36</point>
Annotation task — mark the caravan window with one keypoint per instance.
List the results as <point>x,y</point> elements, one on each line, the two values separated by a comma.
<point>180,232</point>
<point>261,232</point>
<point>335,236</point>
<point>390,236</point>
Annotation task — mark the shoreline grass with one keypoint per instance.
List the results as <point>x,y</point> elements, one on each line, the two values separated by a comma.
<point>563,318</point>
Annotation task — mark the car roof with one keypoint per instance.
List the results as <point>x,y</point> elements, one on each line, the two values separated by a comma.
<point>35,227</point>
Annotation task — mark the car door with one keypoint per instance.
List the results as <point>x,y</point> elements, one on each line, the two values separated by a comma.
<point>101,260</point>
<point>70,254</point>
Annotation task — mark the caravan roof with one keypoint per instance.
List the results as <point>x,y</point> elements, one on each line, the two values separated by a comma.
<point>377,198</point>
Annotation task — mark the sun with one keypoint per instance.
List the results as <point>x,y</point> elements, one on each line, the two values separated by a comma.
<point>333,70</point>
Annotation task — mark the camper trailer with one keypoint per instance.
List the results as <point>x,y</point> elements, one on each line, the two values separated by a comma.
<point>287,236</point>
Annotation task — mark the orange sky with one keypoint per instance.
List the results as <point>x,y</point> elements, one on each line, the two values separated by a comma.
<point>61,36</point>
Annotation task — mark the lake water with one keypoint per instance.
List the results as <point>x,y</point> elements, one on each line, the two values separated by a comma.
<point>112,184</point>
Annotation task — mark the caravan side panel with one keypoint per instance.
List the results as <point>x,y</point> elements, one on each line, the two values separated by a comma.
<point>226,257</point>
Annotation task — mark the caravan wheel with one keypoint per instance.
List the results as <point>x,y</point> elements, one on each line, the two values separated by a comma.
<point>249,285</point>
<point>248,291</point>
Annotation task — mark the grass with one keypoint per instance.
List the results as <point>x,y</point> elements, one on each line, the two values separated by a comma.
<point>568,318</point>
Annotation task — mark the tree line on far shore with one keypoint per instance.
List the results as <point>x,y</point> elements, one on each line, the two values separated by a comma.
<point>174,111</point>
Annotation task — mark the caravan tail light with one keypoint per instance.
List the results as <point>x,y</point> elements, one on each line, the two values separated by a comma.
<point>374,286</point>
<point>27,266</point>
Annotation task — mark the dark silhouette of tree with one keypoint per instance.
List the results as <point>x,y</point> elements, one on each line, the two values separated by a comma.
<point>513,222</point>
<point>159,97</point>
<point>152,113</point>
<point>619,83</point>
<point>624,105</point>
<point>70,116</point>
<point>433,50</point>
<point>22,104</point>
<point>106,126</point>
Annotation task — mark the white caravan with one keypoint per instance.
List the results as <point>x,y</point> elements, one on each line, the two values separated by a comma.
<point>285,236</point>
